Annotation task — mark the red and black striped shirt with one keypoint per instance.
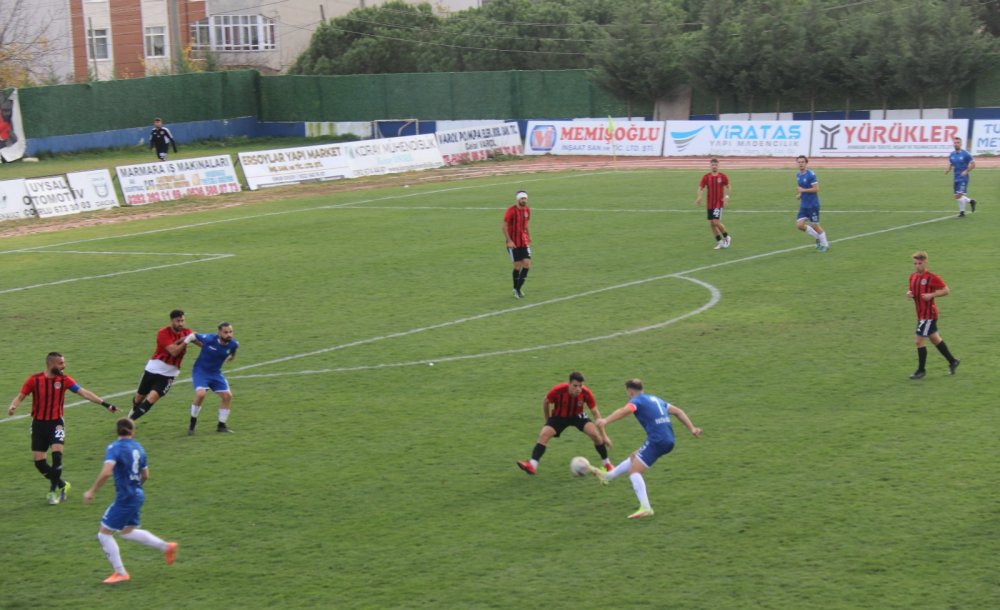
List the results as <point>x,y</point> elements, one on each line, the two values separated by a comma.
<point>165,337</point>
<point>921,284</point>
<point>48,395</point>
<point>516,219</point>
<point>715,185</point>
<point>566,405</point>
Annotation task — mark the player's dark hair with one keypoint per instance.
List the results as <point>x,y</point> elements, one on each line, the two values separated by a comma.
<point>576,376</point>
<point>223,325</point>
<point>803,157</point>
<point>713,160</point>
<point>177,313</point>
<point>634,384</point>
<point>125,426</point>
<point>157,119</point>
<point>52,356</point>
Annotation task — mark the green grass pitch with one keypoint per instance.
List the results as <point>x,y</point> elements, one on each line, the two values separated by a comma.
<point>361,477</point>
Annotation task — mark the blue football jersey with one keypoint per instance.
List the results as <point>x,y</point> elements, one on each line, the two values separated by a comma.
<point>960,160</point>
<point>130,460</point>
<point>213,353</point>
<point>651,411</point>
<point>806,180</point>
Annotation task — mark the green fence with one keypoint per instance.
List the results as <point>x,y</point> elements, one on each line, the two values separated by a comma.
<point>106,105</point>
<point>109,105</point>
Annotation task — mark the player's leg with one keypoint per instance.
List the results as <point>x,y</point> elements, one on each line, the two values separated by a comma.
<point>40,443</point>
<point>523,274</point>
<point>960,196</point>
<point>923,328</point>
<point>200,391</point>
<point>602,449</point>
<point>159,386</point>
<point>645,457</point>
<point>548,431</point>
<point>225,406</point>
<point>939,343</point>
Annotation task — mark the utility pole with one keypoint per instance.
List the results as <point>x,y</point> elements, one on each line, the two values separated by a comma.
<point>93,46</point>
<point>175,35</point>
<point>322,14</point>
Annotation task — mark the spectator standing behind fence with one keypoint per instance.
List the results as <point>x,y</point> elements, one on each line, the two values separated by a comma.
<point>161,139</point>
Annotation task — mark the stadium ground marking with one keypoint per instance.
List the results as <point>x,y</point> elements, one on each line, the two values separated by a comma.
<point>331,206</point>
<point>210,258</point>
<point>680,275</point>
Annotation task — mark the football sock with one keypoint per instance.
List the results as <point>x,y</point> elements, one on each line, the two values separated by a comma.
<point>147,538</point>
<point>55,475</point>
<point>43,467</point>
<point>536,453</point>
<point>195,410</point>
<point>223,415</point>
<point>725,234</point>
<point>620,469</point>
<point>822,239</point>
<point>639,486</point>
<point>523,276</point>
<point>141,409</point>
<point>516,274</point>
<point>602,450</point>
<point>965,199</point>
<point>110,546</point>
<point>961,205</point>
<point>921,358</point>
<point>811,232</point>
<point>940,346</point>
<point>718,238</point>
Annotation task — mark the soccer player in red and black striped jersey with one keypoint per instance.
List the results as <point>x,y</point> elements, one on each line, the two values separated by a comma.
<point>515,230</point>
<point>163,366</point>
<point>717,185</point>
<point>563,407</point>
<point>48,397</point>
<point>924,288</point>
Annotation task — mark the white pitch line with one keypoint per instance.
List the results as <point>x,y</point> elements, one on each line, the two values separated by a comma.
<point>331,206</point>
<point>114,274</point>
<point>715,298</point>
<point>123,253</point>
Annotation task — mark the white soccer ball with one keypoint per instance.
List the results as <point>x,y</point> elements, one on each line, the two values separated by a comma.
<point>579,466</point>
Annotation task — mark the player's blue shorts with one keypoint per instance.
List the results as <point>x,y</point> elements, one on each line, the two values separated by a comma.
<point>120,515</point>
<point>961,184</point>
<point>652,450</point>
<point>809,212</point>
<point>213,381</point>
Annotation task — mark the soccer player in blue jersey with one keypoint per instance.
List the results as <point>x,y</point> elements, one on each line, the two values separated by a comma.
<point>216,350</point>
<point>653,414</point>
<point>125,459</point>
<point>962,163</point>
<point>807,192</point>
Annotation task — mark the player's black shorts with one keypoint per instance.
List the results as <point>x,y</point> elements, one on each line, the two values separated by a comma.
<point>561,423</point>
<point>153,381</point>
<point>47,432</point>
<point>519,254</point>
<point>926,328</point>
<point>714,213</point>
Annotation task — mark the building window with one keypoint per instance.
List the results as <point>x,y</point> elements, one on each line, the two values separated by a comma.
<point>97,44</point>
<point>234,33</point>
<point>156,41</point>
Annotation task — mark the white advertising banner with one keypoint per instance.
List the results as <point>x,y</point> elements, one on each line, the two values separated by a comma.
<point>595,137</point>
<point>393,155</point>
<point>169,180</point>
<point>294,165</point>
<point>985,137</point>
<point>903,138</point>
<point>479,143</point>
<point>736,138</point>
<point>51,196</point>
<point>14,202</point>
<point>93,190</point>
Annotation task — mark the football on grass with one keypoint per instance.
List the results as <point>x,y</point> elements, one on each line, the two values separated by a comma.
<point>579,466</point>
